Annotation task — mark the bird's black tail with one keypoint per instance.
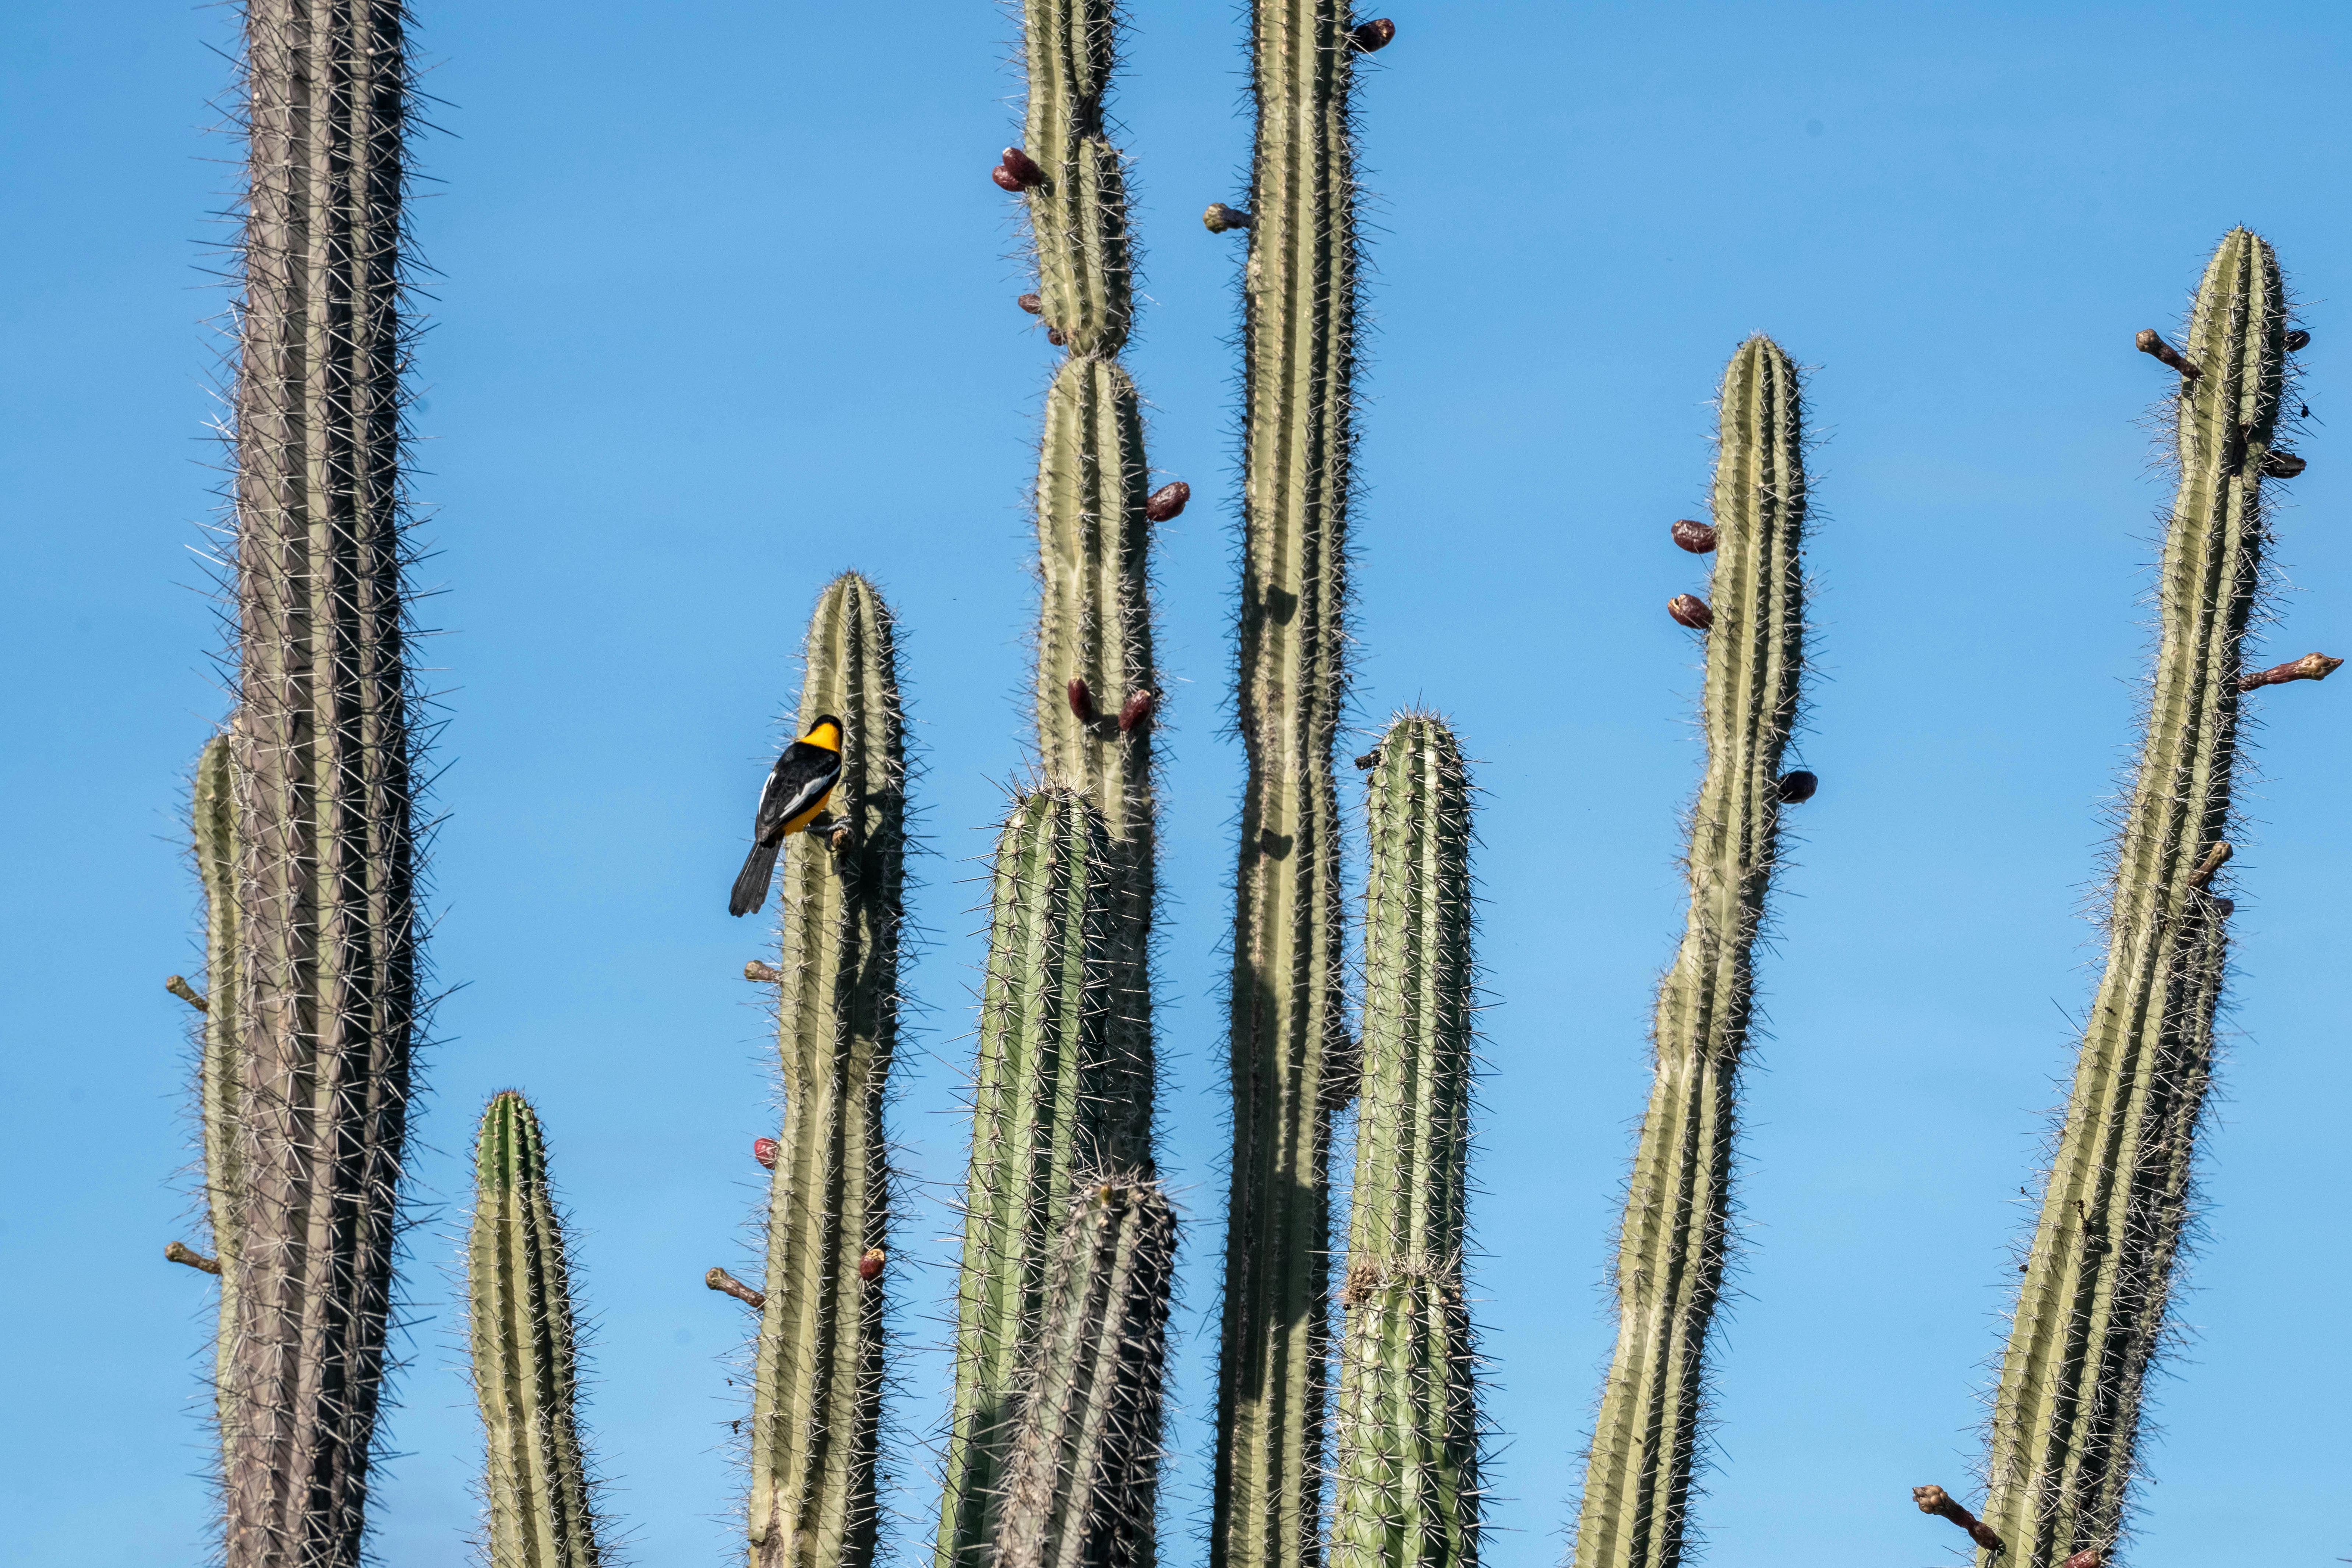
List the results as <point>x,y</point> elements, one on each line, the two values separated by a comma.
<point>752,883</point>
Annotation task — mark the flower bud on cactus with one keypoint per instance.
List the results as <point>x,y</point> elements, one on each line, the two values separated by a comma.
<point>1219,218</point>
<point>2297,340</point>
<point>1373,36</point>
<point>1697,537</point>
<point>765,1150</point>
<point>1026,174</point>
<point>1690,610</point>
<point>1167,503</point>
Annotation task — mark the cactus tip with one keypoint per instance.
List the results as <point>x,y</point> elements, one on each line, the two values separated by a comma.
<point>765,1151</point>
<point>1377,34</point>
<point>1690,610</point>
<point>1167,503</point>
<point>1692,535</point>
<point>1221,217</point>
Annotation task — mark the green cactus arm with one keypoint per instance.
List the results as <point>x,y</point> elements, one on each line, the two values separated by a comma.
<point>1042,1109</point>
<point>1671,1248</point>
<point>1286,1009</point>
<point>817,1367</point>
<point>519,1298</point>
<point>1406,1426</point>
<point>325,756</point>
<point>2090,1309</point>
<point>220,1076</point>
<point>1081,1481</point>
<point>1078,216</point>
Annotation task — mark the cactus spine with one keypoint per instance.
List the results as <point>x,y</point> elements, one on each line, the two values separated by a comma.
<point>2090,1311</point>
<point>1082,1481</point>
<point>220,1078</point>
<point>1287,1007</point>
<point>1043,1110</point>
<point>1671,1249</point>
<point>817,1378</point>
<point>325,1005</point>
<point>1079,215</point>
<point>1405,1432</point>
<point>520,1299</point>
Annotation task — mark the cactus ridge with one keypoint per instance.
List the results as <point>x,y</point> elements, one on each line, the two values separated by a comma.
<point>817,1377</point>
<point>2090,1311</point>
<point>1405,1434</point>
<point>220,1073</point>
<point>536,1485</point>
<point>1673,1241</point>
<point>1287,1013</point>
<point>1078,216</point>
<point>1081,1481</point>
<point>326,1007</point>
<point>1044,1109</point>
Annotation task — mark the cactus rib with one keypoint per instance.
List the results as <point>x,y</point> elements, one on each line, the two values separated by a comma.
<point>518,1294</point>
<point>1405,1432</point>
<point>325,757</point>
<point>817,1376</point>
<point>1079,214</point>
<point>221,1076</point>
<point>2091,1307</point>
<point>1671,1249</point>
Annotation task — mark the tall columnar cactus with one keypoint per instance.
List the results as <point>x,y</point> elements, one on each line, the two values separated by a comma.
<point>2090,1309</point>
<point>1287,1014</point>
<point>221,1075</point>
<point>1670,1252</point>
<point>1077,211</point>
<point>817,1384</point>
<point>518,1295</point>
<point>1082,1482</point>
<point>1044,1110</point>
<point>325,1005</point>
<point>1405,1432</point>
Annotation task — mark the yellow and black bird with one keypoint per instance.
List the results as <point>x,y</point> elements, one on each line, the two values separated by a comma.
<point>792,799</point>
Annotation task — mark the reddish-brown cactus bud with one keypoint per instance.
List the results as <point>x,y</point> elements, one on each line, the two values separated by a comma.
<point>1941,1503</point>
<point>1082,700</point>
<point>2282,465</point>
<point>2089,1557</point>
<point>1798,787</point>
<point>1690,610</point>
<point>2151,341</point>
<point>1377,34</point>
<point>763,974</point>
<point>2310,667</point>
<point>1138,707</point>
<point>1166,503</point>
<point>1004,179</point>
<point>1032,304</point>
<point>1221,217</point>
<point>870,1263</point>
<point>726,1284</point>
<point>1056,336</point>
<point>1692,535</point>
<point>2297,338</point>
<point>1022,167</point>
<point>765,1151</point>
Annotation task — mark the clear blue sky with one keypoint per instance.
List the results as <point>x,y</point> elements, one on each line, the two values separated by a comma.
<point>723,305</point>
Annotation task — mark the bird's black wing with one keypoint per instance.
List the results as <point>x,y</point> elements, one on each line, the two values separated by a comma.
<point>802,776</point>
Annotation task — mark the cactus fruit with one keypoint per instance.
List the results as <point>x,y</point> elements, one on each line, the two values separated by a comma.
<point>325,757</point>
<point>1081,1484</point>
<point>1670,1255</point>
<point>221,1074</point>
<point>1406,1426</point>
<point>817,1369</point>
<point>1044,1110</point>
<point>519,1296</point>
<point>1077,198</point>
<point>2090,1309</point>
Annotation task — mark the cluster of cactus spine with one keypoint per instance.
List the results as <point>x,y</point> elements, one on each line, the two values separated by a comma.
<point>2091,1308</point>
<point>1289,1027</point>
<point>519,1298</point>
<point>1672,1246</point>
<point>817,1368</point>
<point>1405,1432</point>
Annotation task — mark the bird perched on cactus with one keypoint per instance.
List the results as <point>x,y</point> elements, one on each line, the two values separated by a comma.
<point>791,800</point>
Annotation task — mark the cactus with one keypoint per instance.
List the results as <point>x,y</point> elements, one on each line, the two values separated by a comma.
<point>325,1005</point>
<point>1081,1483</point>
<point>1671,1249</point>
<point>2090,1309</point>
<point>817,1377</point>
<point>1286,1010</point>
<point>541,1514</point>
<point>1405,1429</point>
<point>219,1077</point>
<point>1043,1110</point>
<point>1077,210</point>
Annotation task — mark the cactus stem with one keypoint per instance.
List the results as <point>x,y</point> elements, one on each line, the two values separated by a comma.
<point>1220,218</point>
<point>726,1284</point>
<point>180,1252</point>
<point>2310,667</point>
<point>763,974</point>
<point>1943,1504</point>
<point>2215,858</point>
<point>178,986</point>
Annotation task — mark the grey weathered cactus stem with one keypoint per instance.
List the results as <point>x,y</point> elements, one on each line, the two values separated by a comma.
<point>1670,1250</point>
<point>1082,1482</point>
<point>518,1297</point>
<point>1288,1028</point>
<point>1405,1428</point>
<point>817,1372</point>
<point>220,1076</point>
<point>2091,1307</point>
<point>324,768</point>
<point>1043,1110</point>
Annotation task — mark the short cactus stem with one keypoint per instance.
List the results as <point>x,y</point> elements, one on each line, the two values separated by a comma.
<point>817,1370</point>
<point>1670,1246</point>
<point>2151,341</point>
<point>2310,667</point>
<point>762,973</point>
<point>1219,218</point>
<point>178,984</point>
<point>519,1296</point>
<point>2091,1305</point>
<point>180,1252</point>
<point>1082,1480</point>
<point>726,1284</point>
<point>1939,1504</point>
<point>1405,1428</point>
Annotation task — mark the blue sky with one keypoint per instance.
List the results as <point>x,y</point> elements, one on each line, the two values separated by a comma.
<point>722,305</point>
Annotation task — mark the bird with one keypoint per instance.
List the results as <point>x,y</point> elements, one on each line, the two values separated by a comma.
<point>792,799</point>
